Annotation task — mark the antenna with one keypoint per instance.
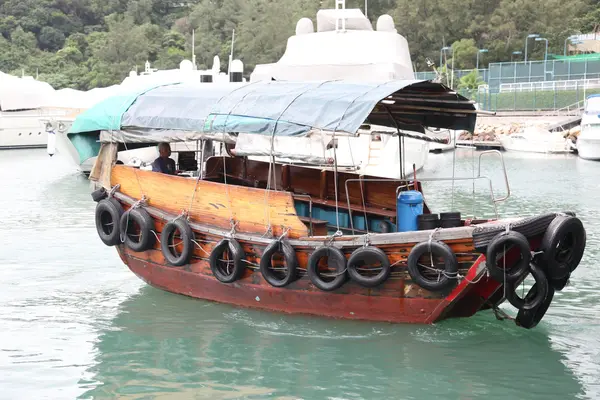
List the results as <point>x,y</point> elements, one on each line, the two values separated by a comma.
<point>366,8</point>
<point>231,55</point>
<point>194,49</point>
<point>340,5</point>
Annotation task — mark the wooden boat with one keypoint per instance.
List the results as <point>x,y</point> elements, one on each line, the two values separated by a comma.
<point>297,239</point>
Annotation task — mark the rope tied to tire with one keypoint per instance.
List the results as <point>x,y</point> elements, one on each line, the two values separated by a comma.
<point>451,275</point>
<point>331,238</point>
<point>113,190</point>
<point>232,231</point>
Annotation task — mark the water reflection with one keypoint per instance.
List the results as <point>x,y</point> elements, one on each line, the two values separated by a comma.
<point>161,345</point>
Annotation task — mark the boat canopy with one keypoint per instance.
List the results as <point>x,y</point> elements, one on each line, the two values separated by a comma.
<point>185,111</point>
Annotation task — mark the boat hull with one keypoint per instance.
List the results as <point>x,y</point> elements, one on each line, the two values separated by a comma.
<point>588,149</point>
<point>254,292</point>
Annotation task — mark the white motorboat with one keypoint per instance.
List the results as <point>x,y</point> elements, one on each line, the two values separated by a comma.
<point>536,139</point>
<point>345,46</point>
<point>588,141</point>
<point>23,102</point>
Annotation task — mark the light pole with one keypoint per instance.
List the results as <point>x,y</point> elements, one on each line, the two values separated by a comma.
<point>532,35</point>
<point>539,39</point>
<point>515,53</point>
<point>441,51</point>
<point>479,51</point>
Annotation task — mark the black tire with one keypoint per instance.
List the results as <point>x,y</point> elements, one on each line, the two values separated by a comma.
<point>444,279</point>
<point>559,284</point>
<point>108,215</point>
<point>530,318</point>
<point>99,194</point>
<point>537,297</point>
<point>289,254</point>
<point>368,255</point>
<point>235,254</point>
<point>167,238</point>
<point>507,240</point>
<point>143,241</point>
<point>563,245</point>
<point>335,260</point>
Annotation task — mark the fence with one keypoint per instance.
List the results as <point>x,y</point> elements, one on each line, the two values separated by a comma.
<point>458,73</point>
<point>550,85</point>
<point>531,71</point>
<point>535,100</point>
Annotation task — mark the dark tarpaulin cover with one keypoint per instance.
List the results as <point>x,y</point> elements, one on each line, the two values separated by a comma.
<point>294,108</point>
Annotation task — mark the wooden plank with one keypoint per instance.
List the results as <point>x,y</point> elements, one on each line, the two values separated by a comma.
<point>214,203</point>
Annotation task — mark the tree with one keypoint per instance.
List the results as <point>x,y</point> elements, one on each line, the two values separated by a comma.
<point>471,81</point>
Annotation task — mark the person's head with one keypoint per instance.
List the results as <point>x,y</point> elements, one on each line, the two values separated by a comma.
<point>164,150</point>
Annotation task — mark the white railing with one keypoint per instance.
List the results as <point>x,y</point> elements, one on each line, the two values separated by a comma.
<point>579,84</point>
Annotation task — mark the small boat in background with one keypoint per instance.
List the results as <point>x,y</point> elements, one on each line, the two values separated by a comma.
<point>536,139</point>
<point>297,239</point>
<point>24,102</point>
<point>588,140</point>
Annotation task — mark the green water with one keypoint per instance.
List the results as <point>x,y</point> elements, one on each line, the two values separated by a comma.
<point>77,324</point>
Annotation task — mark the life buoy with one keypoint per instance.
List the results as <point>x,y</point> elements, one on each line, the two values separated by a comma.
<point>99,194</point>
<point>168,245</point>
<point>530,318</point>
<point>136,228</point>
<point>563,245</point>
<point>430,277</point>
<point>537,297</point>
<point>502,243</point>
<point>231,269</point>
<point>277,278</point>
<point>108,215</point>
<point>365,256</point>
<point>335,260</point>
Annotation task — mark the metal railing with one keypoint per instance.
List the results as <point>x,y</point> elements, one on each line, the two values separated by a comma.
<point>494,200</point>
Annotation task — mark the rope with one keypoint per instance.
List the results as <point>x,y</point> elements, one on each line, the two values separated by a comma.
<point>453,173</point>
<point>114,189</point>
<point>330,239</point>
<point>335,184</point>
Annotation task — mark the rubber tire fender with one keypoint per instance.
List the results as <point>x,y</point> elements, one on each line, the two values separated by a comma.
<point>450,265</point>
<point>367,253</point>
<point>497,245</point>
<point>238,255</point>
<point>112,209</point>
<point>291,263</point>
<point>537,298</point>
<point>335,258</point>
<point>557,231</point>
<point>530,318</point>
<point>187,237</point>
<point>146,223</point>
<point>99,194</point>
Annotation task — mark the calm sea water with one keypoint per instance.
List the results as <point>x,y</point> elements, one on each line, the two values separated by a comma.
<point>75,323</point>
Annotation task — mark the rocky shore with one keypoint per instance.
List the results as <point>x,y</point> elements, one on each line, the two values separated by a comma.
<point>490,133</point>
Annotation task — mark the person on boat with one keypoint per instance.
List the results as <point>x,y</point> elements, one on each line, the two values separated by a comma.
<point>163,163</point>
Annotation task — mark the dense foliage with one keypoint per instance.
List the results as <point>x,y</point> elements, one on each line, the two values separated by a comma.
<point>90,43</point>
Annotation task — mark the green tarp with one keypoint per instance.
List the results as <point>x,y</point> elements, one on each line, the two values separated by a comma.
<point>107,114</point>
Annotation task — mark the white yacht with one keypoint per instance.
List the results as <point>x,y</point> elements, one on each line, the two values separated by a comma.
<point>23,103</point>
<point>536,139</point>
<point>588,141</point>
<point>345,46</point>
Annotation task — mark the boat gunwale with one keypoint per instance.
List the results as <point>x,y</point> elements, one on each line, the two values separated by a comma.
<point>446,234</point>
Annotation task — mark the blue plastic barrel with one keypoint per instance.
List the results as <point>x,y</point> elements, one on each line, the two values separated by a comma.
<point>408,206</point>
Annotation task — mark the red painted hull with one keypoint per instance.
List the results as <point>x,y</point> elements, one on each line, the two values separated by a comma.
<point>246,293</point>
